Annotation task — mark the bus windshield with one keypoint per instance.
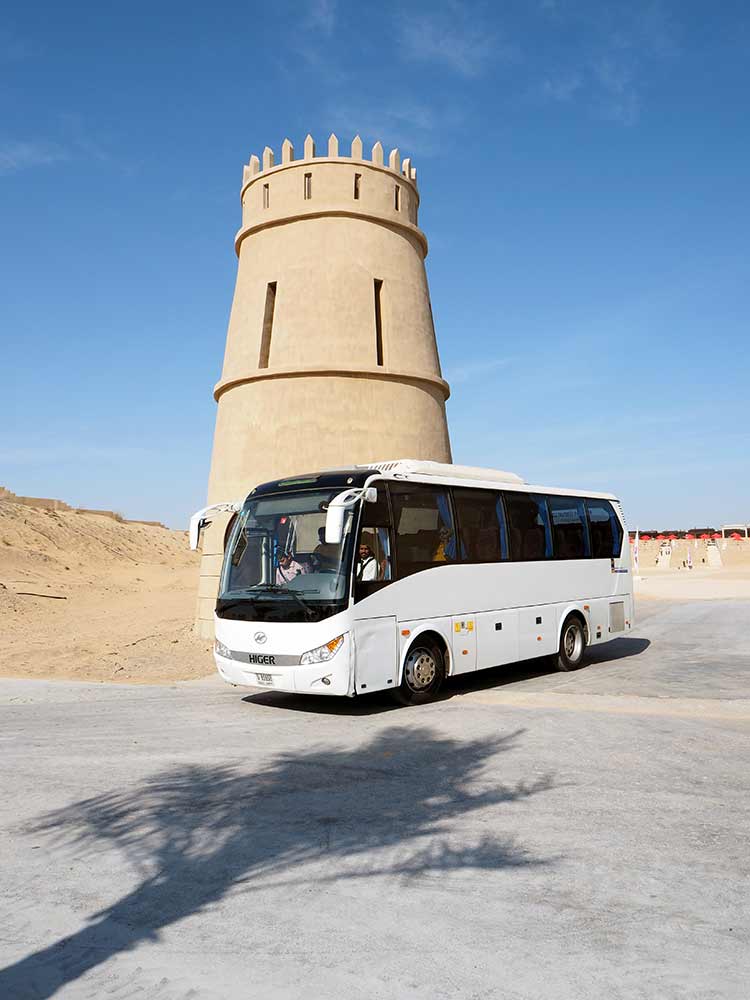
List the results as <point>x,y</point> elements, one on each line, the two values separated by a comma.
<point>278,550</point>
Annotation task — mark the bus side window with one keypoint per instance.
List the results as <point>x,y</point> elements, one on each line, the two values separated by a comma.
<point>481,525</point>
<point>569,527</point>
<point>528,527</point>
<point>606,533</point>
<point>425,534</point>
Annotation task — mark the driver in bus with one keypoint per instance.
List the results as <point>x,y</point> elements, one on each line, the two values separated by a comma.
<point>288,568</point>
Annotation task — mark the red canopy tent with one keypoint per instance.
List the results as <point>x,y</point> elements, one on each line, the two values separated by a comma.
<point>660,538</point>
<point>645,538</point>
<point>705,536</point>
<point>716,534</point>
<point>688,535</point>
<point>672,538</point>
<point>736,536</point>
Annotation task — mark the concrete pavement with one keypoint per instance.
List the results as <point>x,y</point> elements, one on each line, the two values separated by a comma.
<point>533,835</point>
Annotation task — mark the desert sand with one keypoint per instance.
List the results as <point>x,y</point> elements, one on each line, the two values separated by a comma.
<point>88,597</point>
<point>704,581</point>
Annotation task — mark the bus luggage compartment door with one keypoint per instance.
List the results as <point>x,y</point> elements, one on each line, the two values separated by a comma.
<point>537,631</point>
<point>375,654</point>
<point>497,638</point>
<point>464,636</point>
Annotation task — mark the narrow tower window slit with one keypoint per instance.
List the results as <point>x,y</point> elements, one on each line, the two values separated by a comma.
<point>265,340</point>
<point>397,198</point>
<point>357,179</point>
<point>378,323</point>
<point>266,196</point>
<point>308,186</point>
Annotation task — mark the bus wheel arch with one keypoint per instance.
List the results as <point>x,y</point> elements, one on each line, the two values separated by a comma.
<point>424,668</point>
<point>572,643</point>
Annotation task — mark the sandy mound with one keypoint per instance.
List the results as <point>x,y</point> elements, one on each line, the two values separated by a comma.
<point>91,598</point>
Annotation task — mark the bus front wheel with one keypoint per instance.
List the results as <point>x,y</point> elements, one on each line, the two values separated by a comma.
<point>424,672</point>
<point>572,644</point>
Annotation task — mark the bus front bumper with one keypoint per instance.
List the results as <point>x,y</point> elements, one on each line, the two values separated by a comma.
<point>333,676</point>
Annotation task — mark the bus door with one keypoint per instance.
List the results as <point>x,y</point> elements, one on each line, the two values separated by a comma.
<point>375,654</point>
<point>464,643</point>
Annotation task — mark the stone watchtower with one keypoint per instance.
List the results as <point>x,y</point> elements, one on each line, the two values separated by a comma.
<point>331,357</point>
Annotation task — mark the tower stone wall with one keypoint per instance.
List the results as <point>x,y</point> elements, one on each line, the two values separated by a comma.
<point>331,356</point>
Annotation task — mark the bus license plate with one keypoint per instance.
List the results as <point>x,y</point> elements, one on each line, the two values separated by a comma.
<point>265,678</point>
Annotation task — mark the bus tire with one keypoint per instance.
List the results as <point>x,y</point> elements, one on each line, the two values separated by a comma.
<point>572,650</point>
<point>424,673</point>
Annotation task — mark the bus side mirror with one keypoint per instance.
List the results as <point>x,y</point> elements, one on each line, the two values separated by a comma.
<point>338,507</point>
<point>197,523</point>
<point>334,524</point>
<point>199,520</point>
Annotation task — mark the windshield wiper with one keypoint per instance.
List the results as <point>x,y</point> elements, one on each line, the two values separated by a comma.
<point>276,588</point>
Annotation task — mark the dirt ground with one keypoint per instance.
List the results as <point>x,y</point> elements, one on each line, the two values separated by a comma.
<point>85,597</point>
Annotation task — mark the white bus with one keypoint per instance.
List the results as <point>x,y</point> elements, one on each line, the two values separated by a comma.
<point>396,575</point>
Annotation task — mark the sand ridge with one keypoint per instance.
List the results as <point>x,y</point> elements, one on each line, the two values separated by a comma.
<point>88,597</point>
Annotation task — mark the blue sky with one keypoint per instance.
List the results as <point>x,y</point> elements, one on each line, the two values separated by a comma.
<point>583,168</point>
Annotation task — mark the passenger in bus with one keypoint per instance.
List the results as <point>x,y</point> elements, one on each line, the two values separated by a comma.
<point>446,549</point>
<point>367,564</point>
<point>288,568</point>
<point>326,554</point>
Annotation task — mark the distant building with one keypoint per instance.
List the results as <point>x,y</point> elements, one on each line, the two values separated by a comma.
<point>727,530</point>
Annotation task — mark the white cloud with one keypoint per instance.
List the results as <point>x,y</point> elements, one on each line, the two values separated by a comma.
<point>474,371</point>
<point>78,142</point>
<point>619,99</point>
<point>410,126</point>
<point>563,88</point>
<point>617,45</point>
<point>19,155</point>
<point>454,38</point>
<point>13,48</point>
<point>321,16</point>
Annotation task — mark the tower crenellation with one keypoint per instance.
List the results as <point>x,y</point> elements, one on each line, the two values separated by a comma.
<point>404,169</point>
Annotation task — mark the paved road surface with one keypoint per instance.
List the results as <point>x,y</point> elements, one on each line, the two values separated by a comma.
<point>531,836</point>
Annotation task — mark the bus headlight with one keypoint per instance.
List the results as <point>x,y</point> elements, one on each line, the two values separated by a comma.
<point>322,653</point>
<point>221,650</point>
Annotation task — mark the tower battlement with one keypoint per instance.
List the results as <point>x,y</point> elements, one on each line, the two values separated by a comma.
<point>267,162</point>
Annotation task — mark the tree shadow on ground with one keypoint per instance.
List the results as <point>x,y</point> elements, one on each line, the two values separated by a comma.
<point>197,833</point>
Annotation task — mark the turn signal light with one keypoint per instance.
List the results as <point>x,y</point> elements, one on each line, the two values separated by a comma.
<point>322,653</point>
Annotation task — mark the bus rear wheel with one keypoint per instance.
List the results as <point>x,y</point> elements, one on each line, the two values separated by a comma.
<point>424,673</point>
<point>572,644</point>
